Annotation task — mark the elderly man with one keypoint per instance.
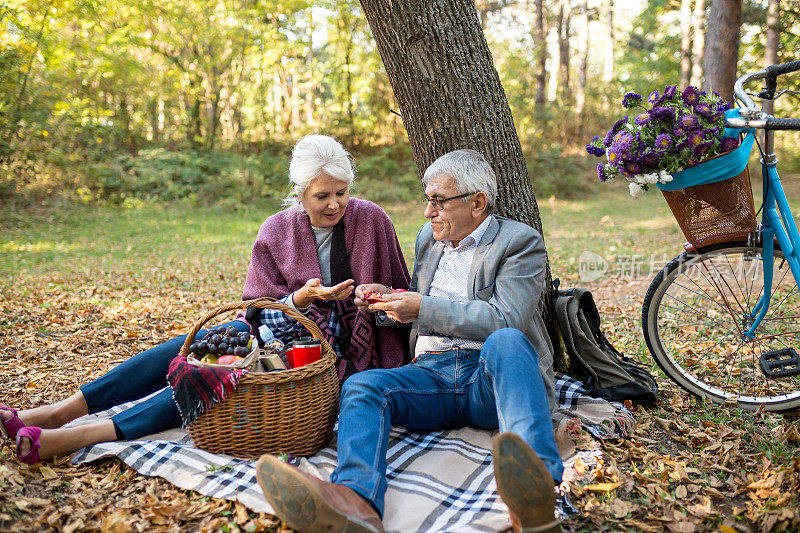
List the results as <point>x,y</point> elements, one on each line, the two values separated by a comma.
<point>482,359</point>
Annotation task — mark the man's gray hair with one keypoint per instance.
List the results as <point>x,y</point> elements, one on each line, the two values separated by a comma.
<point>314,156</point>
<point>471,172</point>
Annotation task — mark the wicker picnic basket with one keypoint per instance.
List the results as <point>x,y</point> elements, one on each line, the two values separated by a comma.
<point>291,411</point>
<point>711,213</point>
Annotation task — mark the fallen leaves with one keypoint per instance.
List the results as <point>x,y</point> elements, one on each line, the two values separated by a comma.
<point>688,466</point>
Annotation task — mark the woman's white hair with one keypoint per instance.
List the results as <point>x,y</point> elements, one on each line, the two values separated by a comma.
<point>471,172</point>
<point>313,156</point>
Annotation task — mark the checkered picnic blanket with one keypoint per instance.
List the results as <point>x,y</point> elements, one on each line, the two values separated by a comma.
<point>446,477</point>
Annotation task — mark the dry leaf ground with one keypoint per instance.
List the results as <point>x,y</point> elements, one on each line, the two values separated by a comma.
<point>83,288</point>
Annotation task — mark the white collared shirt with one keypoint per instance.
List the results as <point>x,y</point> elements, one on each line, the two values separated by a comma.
<point>451,282</point>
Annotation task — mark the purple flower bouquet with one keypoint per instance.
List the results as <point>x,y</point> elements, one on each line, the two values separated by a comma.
<point>674,131</point>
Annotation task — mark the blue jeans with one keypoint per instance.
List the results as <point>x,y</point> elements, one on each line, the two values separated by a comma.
<point>497,386</point>
<point>140,376</point>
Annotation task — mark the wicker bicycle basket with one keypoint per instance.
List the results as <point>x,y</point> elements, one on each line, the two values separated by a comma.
<point>715,212</point>
<point>291,411</point>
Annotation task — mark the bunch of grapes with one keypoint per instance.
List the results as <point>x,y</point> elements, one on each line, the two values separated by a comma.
<point>221,341</point>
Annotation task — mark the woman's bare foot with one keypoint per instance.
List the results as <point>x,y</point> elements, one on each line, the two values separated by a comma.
<point>63,441</point>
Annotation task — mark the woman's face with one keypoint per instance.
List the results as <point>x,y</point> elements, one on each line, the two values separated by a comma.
<point>324,200</point>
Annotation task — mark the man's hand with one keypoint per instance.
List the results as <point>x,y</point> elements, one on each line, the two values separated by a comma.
<point>313,289</point>
<point>361,290</point>
<point>400,306</point>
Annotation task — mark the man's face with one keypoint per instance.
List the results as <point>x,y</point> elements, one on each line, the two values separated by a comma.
<point>457,218</point>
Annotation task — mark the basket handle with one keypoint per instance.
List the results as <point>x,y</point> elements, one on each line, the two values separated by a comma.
<point>261,303</point>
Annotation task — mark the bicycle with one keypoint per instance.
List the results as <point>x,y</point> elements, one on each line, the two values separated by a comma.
<point>707,319</point>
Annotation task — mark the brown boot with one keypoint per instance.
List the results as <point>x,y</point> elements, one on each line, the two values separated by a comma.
<point>525,485</point>
<point>305,503</point>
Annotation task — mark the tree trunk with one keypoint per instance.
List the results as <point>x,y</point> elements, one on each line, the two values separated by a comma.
<point>450,96</point>
<point>295,98</point>
<point>346,30</point>
<point>564,19</point>
<point>608,65</point>
<point>124,116</point>
<point>771,47</point>
<point>152,115</point>
<point>722,48</point>
<point>540,40</point>
<point>580,90</point>
<point>285,110</point>
<point>686,42</point>
<point>310,104</point>
<point>213,113</point>
<point>698,42</point>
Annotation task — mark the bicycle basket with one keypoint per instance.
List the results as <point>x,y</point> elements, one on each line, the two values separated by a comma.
<point>713,201</point>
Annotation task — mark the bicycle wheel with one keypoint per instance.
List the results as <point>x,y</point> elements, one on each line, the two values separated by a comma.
<point>695,314</point>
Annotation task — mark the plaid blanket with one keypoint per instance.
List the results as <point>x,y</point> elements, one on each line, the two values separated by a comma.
<point>446,477</point>
<point>197,389</point>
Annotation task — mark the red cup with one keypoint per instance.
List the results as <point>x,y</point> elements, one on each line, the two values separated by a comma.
<point>305,351</point>
<point>290,357</point>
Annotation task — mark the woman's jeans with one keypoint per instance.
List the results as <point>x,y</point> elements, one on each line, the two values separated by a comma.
<point>497,386</point>
<point>140,376</point>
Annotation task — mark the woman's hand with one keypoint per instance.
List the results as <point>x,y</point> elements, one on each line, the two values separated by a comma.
<point>313,289</point>
<point>400,306</point>
<point>361,290</point>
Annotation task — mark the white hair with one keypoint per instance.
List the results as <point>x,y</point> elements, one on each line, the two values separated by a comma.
<point>314,156</point>
<point>471,172</point>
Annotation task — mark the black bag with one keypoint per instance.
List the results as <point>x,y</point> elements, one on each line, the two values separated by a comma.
<point>607,373</point>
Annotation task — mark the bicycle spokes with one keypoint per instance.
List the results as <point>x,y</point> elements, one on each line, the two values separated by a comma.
<point>698,312</point>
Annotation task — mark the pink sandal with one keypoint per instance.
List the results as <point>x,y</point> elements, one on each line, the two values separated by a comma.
<point>33,433</point>
<point>10,427</point>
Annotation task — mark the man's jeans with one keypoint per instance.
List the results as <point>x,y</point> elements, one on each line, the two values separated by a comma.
<point>498,386</point>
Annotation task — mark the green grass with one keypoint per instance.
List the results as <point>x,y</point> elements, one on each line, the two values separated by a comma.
<point>628,233</point>
<point>159,241</point>
<point>154,242</point>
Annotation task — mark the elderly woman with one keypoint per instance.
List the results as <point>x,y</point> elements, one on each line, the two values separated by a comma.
<point>353,242</point>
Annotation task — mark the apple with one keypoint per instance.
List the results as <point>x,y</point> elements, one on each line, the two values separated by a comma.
<point>229,359</point>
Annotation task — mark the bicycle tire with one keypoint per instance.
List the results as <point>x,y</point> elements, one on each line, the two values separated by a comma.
<point>692,321</point>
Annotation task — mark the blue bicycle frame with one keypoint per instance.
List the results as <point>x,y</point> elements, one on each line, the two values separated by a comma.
<point>777,222</point>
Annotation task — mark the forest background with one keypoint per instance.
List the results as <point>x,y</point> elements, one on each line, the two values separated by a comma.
<point>183,113</point>
<point>201,100</point>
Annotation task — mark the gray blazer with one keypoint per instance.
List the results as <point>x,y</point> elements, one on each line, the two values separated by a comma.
<point>506,281</point>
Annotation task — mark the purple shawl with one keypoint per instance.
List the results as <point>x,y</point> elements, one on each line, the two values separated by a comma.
<point>285,257</point>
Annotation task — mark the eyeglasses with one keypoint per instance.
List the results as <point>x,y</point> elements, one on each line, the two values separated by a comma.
<point>438,203</point>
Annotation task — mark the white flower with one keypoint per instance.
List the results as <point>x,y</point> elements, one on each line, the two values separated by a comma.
<point>664,177</point>
<point>651,178</point>
<point>635,189</point>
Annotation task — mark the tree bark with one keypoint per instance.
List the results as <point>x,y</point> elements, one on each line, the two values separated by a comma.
<point>771,47</point>
<point>698,42</point>
<point>450,96</point>
<point>686,42</point>
<point>540,40</point>
<point>722,48</point>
